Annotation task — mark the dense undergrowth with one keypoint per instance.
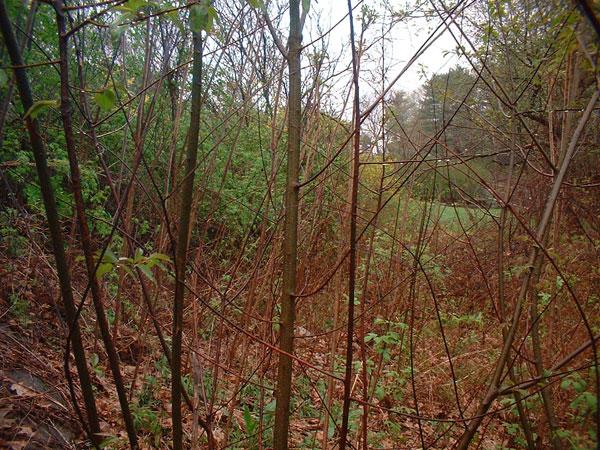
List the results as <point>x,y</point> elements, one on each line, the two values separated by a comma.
<point>453,297</point>
<point>473,281</point>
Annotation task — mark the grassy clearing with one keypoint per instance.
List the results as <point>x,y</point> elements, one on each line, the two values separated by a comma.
<point>449,216</point>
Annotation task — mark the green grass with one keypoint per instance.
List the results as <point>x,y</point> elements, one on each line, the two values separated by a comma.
<point>449,217</point>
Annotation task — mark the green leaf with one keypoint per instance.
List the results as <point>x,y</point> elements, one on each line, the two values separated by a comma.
<point>132,6</point>
<point>103,269</point>
<point>579,386</point>
<point>202,16</point>
<point>305,5</point>
<point>3,78</point>
<point>249,421</point>
<point>197,18</point>
<point>109,256</point>
<point>135,5</point>
<point>586,403</point>
<point>386,355</point>
<point>124,9</point>
<point>159,257</point>
<point>105,99</point>
<point>255,3</point>
<point>146,271</point>
<point>123,260</point>
<point>39,107</point>
<point>270,408</point>
<point>116,33</point>
<point>173,16</point>
<point>331,429</point>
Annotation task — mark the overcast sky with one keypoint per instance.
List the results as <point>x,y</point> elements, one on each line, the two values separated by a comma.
<point>402,42</point>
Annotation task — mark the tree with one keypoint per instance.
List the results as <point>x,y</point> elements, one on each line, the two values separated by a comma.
<point>290,238</point>
<point>199,17</point>
<point>58,246</point>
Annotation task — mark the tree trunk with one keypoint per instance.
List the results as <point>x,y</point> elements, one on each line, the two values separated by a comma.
<point>62,268</point>
<point>86,242</point>
<point>290,238</point>
<point>183,238</point>
<point>353,234</point>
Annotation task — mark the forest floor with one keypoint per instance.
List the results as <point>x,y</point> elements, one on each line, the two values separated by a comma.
<point>35,406</point>
<point>36,410</point>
